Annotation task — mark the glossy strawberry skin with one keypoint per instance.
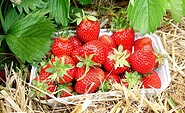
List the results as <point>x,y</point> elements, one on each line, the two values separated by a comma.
<point>76,53</point>
<point>107,40</point>
<point>61,47</point>
<point>75,41</point>
<point>96,48</point>
<point>143,60</point>
<point>43,73</point>
<point>112,77</point>
<point>94,75</point>
<point>151,80</point>
<point>88,30</point>
<point>124,37</point>
<point>109,65</point>
<point>63,79</point>
<point>138,44</point>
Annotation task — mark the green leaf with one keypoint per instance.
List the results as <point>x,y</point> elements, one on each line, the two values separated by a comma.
<point>132,2</point>
<point>176,9</point>
<point>1,39</point>
<point>11,17</point>
<point>30,37</point>
<point>59,11</point>
<point>183,6</point>
<point>85,2</point>
<point>75,12</point>
<point>28,5</point>
<point>146,15</point>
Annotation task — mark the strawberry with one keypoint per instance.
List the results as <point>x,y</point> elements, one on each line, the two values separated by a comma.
<point>139,43</point>
<point>151,80</point>
<point>124,37</point>
<point>117,61</point>
<point>143,60</point>
<point>96,48</point>
<point>65,90</point>
<point>43,73</point>
<point>88,28</point>
<point>75,41</point>
<point>109,79</point>
<point>90,82</point>
<point>131,79</point>
<point>107,40</point>
<point>112,77</point>
<point>62,46</point>
<point>62,69</point>
<point>76,53</point>
<point>44,83</point>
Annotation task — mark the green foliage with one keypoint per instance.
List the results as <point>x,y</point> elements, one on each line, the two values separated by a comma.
<point>29,38</point>
<point>146,15</point>
<point>59,11</point>
<point>11,17</point>
<point>85,2</point>
<point>28,5</point>
<point>176,9</point>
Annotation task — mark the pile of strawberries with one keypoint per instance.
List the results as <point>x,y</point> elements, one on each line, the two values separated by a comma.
<point>87,62</point>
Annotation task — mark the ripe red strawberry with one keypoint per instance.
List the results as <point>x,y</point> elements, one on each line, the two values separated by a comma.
<point>131,79</point>
<point>90,82</point>
<point>117,61</point>
<point>107,40</point>
<point>88,29</point>
<point>151,80</point>
<point>109,79</point>
<point>44,83</point>
<point>62,46</point>
<point>65,90</point>
<point>138,44</point>
<point>62,69</point>
<point>96,48</point>
<point>143,60</point>
<point>124,37</point>
<point>43,73</point>
<point>112,77</point>
<point>76,53</point>
<point>75,41</point>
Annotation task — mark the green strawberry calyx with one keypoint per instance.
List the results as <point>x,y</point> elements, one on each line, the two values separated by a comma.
<point>61,88</point>
<point>41,86</point>
<point>133,79</point>
<point>82,16</point>
<point>87,62</point>
<point>160,57</point>
<point>105,86</point>
<point>119,56</point>
<point>59,69</point>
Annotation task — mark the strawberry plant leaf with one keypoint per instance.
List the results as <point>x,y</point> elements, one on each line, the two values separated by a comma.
<point>176,9</point>
<point>28,5</point>
<point>132,2</point>
<point>183,5</point>
<point>146,15</point>
<point>59,11</point>
<point>85,2</point>
<point>29,38</point>
<point>11,17</point>
<point>1,39</point>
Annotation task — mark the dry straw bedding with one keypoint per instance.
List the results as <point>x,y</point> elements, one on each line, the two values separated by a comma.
<point>14,98</point>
